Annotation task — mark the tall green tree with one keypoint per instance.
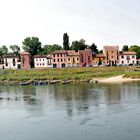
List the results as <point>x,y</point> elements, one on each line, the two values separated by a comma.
<point>135,48</point>
<point>3,50</point>
<point>78,45</point>
<point>47,49</point>
<point>15,49</point>
<point>65,41</point>
<point>94,49</point>
<point>125,48</point>
<point>32,45</point>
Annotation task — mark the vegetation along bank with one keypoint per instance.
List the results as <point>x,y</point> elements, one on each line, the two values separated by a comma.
<point>71,74</point>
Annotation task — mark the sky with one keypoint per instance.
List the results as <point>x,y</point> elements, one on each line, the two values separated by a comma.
<point>103,22</point>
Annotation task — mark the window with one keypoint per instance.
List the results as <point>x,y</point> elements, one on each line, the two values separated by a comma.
<point>53,60</point>
<point>133,56</point>
<point>111,51</point>
<point>14,60</point>
<point>133,62</point>
<point>6,64</point>
<point>122,56</point>
<point>128,62</point>
<point>77,59</point>
<point>54,55</point>
<point>36,59</point>
<point>58,60</point>
<point>61,59</point>
<point>57,55</point>
<point>43,59</point>
<point>128,57</point>
<point>122,62</point>
<point>61,55</point>
<point>39,59</point>
<point>111,56</point>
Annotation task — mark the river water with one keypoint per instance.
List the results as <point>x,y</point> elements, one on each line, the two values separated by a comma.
<point>70,112</point>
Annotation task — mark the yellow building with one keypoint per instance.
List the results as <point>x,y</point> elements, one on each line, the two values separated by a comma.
<point>100,59</point>
<point>73,59</point>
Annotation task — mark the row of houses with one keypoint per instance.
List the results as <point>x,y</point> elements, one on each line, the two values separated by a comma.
<point>111,56</point>
<point>64,58</point>
<point>57,59</point>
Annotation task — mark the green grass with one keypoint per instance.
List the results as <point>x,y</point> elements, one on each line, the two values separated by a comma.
<point>68,73</point>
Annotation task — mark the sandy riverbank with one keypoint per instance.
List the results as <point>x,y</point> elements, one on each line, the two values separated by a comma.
<point>115,79</point>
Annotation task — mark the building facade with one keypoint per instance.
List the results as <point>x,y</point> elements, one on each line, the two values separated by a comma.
<point>127,58</point>
<point>11,62</point>
<point>42,61</point>
<point>85,57</point>
<point>99,59</point>
<point>112,55</point>
<point>59,58</point>
<point>25,60</point>
<point>73,59</point>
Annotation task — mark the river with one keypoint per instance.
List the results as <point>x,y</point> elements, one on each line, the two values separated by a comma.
<point>70,112</point>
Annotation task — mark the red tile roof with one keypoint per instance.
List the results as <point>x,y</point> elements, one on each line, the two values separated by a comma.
<point>40,56</point>
<point>59,51</point>
<point>10,56</point>
<point>111,48</point>
<point>24,52</point>
<point>72,52</point>
<point>100,55</point>
<point>128,53</point>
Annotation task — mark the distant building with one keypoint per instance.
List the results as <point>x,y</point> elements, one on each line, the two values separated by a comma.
<point>59,58</point>
<point>73,59</point>
<point>42,61</point>
<point>112,55</point>
<point>100,59</point>
<point>25,60</point>
<point>127,58</point>
<point>85,57</point>
<point>11,62</point>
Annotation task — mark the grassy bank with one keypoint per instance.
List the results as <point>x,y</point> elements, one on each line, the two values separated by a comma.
<point>67,73</point>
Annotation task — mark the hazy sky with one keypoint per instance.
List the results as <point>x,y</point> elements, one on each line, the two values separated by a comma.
<point>104,22</point>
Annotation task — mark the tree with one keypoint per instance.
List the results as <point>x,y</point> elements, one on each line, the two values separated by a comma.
<point>65,41</point>
<point>100,52</point>
<point>94,49</point>
<point>136,49</point>
<point>78,45</point>
<point>3,50</point>
<point>15,49</point>
<point>47,49</point>
<point>125,48</point>
<point>32,45</point>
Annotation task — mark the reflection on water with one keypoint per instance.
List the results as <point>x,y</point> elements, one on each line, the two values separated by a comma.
<point>80,111</point>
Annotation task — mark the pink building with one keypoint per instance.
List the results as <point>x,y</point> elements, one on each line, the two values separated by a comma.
<point>112,54</point>
<point>25,60</point>
<point>71,58</point>
<point>85,57</point>
<point>59,58</point>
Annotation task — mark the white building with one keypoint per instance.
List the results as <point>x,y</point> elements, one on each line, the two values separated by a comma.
<point>11,62</point>
<point>42,61</point>
<point>127,58</point>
